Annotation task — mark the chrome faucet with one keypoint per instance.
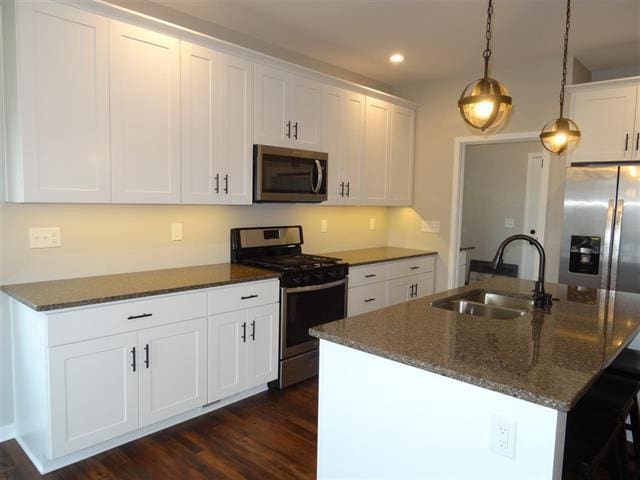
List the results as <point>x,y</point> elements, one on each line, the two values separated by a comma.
<point>541,299</point>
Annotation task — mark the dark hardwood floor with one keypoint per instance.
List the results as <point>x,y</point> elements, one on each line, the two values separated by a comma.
<point>269,436</point>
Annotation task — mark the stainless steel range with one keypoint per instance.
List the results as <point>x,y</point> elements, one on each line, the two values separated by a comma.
<point>313,291</point>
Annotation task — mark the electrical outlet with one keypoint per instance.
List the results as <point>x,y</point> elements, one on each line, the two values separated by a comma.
<point>323,226</point>
<point>503,436</point>
<point>47,237</point>
<point>372,224</point>
<point>176,232</point>
<point>509,223</point>
<point>432,226</point>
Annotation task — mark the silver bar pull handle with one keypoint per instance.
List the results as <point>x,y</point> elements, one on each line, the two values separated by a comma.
<point>606,246</point>
<point>615,250</point>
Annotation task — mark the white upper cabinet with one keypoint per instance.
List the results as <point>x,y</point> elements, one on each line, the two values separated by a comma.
<point>217,127</point>
<point>403,127</point>
<point>343,139</point>
<point>236,129</point>
<point>288,109</point>
<point>200,139</point>
<point>605,115</point>
<point>377,151</point>
<point>56,100</point>
<point>145,115</point>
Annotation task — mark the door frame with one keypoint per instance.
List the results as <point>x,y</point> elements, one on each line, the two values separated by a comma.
<point>459,150</point>
<point>542,203</point>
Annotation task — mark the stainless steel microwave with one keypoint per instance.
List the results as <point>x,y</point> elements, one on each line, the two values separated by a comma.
<point>288,175</point>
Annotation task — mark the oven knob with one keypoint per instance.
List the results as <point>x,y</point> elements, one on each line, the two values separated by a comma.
<point>296,279</point>
<point>306,278</point>
<point>317,276</point>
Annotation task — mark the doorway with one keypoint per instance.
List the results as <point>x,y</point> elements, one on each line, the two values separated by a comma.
<point>500,188</point>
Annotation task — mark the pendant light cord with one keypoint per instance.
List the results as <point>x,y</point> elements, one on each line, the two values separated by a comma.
<point>564,57</point>
<point>487,51</point>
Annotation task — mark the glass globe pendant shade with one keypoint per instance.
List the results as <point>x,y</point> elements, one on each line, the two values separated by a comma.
<point>560,136</point>
<point>484,103</point>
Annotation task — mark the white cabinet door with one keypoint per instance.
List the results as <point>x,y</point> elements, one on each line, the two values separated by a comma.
<point>272,122</point>
<point>367,298</point>
<point>605,117</point>
<point>94,392</point>
<point>403,127</point>
<point>64,102</point>
<point>377,151</point>
<point>145,115</point>
<point>398,290</point>
<point>462,276</point>
<point>636,133</point>
<point>236,130</point>
<point>200,144</point>
<point>262,344</point>
<point>343,140</point>
<point>173,369</point>
<point>227,354</point>
<point>425,285</point>
<point>306,113</point>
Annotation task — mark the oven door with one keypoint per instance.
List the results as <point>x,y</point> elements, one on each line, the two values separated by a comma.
<point>288,175</point>
<point>306,307</point>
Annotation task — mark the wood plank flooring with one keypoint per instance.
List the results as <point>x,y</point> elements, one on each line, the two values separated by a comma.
<point>269,436</point>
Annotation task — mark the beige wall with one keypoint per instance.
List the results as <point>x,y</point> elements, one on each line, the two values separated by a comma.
<point>534,88</point>
<point>495,185</point>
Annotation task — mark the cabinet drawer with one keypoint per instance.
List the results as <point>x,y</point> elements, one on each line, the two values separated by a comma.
<point>367,274</point>
<point>412,266</point>
<point>367,298</point>
<point>93,322</point>
<point>246,295</point>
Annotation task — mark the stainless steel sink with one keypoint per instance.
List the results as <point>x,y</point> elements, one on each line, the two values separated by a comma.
<point>486,304</point>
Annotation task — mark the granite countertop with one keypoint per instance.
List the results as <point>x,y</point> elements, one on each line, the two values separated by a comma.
<point>367,256</point>
<point>549,358</point>
<point>75,292</point>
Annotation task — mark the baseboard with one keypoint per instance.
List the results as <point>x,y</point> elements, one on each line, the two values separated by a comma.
<point>47,465</point>
<point>7,432</point>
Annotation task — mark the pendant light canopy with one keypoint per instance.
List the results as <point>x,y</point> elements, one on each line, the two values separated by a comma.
<point>562,134</point>
<point>485,103</point>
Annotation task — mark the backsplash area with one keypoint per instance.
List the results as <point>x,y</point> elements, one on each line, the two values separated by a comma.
<point>103,239</point>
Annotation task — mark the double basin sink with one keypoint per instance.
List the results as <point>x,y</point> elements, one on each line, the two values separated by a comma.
<point>482,303</point>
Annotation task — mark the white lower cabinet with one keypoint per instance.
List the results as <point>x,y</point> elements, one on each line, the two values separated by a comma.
<point>172,363</point>
<point>388,283</point>
<point>94,392</point>
<point>243,350</point>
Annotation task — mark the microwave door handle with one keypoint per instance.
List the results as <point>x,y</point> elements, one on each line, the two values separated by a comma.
<point>318,185</point>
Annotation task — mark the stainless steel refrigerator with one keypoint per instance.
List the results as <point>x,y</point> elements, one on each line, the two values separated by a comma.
<point>601,234</point>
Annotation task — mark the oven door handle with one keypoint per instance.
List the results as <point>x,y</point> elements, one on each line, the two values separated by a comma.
<point>318,186</point>
<point>313,288</point>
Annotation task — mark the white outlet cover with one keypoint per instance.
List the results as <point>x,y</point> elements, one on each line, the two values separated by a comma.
<point>431,226</point>
<point>372,224</point>
<point>509,223</point>
<point>176,232</point>
<point>323,226</point>
<point>503,436</point>
<point>45,237</point>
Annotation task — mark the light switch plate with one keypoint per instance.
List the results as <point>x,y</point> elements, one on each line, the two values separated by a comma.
<point>372,224</point>
<point>323,226</point>
<point>45,237</point>
<point>432,226</point>
<point>509,223</point>
<point>176,232</point>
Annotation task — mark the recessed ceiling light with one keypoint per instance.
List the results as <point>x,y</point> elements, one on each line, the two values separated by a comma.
<point>396,58</point>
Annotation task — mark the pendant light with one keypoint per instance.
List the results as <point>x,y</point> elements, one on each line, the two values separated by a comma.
<point>562,134</point>
<point>485,102</point>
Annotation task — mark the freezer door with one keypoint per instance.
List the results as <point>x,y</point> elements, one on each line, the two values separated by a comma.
<point>589,209</point>
<point>625,265</point>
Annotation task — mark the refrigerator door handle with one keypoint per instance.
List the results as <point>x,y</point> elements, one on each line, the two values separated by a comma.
<point>615,253</point>
<point>606,245</point>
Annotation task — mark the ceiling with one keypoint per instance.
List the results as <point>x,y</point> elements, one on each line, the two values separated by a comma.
<point>439,38</point>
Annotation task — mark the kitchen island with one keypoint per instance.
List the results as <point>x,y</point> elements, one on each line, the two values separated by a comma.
<point>418,391</point>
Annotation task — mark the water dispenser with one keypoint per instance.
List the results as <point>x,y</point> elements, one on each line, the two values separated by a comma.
<point>584,255</point>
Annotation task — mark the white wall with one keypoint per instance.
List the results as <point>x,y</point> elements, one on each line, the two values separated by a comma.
<point>613,73</point>
<point>534,88</point>
<point>495,184</point>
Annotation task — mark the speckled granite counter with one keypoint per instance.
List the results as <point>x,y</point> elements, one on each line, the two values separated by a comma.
<point>74,292</point>
<point>548,358</point>
<point>378,254</point>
